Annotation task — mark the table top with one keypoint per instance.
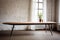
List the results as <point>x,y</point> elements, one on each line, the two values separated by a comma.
<point>28,23</point>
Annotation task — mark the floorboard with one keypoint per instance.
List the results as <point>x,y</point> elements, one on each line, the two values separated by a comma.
<point>31,35</point>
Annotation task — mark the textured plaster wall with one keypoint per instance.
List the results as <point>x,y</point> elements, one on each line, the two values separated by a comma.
<point>58,14</point>
<point>51,10</point>
<point>59,17</point>
<point>13,11</point>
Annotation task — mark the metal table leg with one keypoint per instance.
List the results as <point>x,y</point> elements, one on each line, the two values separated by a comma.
<point>50,26</point>
<point>12,31</point>
<point>46,28</point>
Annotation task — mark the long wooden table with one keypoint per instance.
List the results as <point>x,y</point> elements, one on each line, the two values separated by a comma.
<point>30,23</point>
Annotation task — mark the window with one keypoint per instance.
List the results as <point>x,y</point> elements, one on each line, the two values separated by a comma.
<point>38,6</point>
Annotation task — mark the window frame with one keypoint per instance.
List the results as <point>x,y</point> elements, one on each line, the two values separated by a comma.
<point>43,10</point>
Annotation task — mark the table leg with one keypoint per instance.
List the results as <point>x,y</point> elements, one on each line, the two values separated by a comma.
<point>46,28</point>
<point>12,31</point>
<point>50,26</point>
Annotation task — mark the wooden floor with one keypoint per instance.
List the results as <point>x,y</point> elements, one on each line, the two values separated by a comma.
<point>31,35</point>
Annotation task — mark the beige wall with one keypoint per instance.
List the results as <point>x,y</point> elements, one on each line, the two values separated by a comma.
<point>58,14</point>
<point>50,10</point>
<point>13,11</point>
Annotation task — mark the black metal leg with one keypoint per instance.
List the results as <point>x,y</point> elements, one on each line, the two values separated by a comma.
<point>50,26</point>
<point>12,31</point>
<point>46,28</point>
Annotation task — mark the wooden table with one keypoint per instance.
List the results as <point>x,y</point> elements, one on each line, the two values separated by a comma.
<point>30,23</point>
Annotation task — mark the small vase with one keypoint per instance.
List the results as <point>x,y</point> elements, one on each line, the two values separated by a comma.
<point>40,20</point>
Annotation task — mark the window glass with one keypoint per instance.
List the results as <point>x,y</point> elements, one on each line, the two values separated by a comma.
<point>40,11</point>
<point>40,5</point>
<point>35,0</point>
<point>40,0</point>
<point>36,6</point>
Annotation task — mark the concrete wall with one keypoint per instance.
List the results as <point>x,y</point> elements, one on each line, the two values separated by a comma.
<point>59,17</point>
<point>13,11</point>
<point>50,10</point>
<point>58,14</point>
